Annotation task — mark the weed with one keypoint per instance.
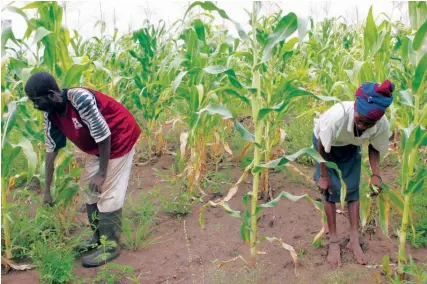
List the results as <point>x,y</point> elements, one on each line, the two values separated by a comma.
<point>235,252</point>
<point>112,273</point>
<point>218,226</point>
<point>139,222</point>
<point>105,246</point>
<point>420,219</point>
<point>299,135</point>
<point>215,181</point>
<point>54,260</point>
<point>178,204</point>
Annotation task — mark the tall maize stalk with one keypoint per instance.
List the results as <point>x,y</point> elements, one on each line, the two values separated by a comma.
<point>256,104</point>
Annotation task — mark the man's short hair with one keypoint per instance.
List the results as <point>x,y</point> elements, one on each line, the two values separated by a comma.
<point>40,83</point>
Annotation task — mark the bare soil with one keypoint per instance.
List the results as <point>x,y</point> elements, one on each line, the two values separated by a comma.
<point>188,254</point>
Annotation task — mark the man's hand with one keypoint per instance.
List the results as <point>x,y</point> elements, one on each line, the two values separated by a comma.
<point>96,183</point>
<point>47,199</point>
<point>324,185</point>
<point>375,181</point>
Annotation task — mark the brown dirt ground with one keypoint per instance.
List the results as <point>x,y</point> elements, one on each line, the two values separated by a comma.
<point>194,257</point>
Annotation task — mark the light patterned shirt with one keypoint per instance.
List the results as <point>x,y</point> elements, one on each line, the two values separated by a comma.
<point>335,127</point>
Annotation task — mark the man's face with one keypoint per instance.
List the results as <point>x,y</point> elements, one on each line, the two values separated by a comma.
<point>47,103</point>
<point>362,122</point>
<point>42,103</point>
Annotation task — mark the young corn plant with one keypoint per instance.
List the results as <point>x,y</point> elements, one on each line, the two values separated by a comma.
<point>261,108</point>
<point>9,152</point>
<point>201,81</point>
<point>413,139</point>
<point>153,92</point>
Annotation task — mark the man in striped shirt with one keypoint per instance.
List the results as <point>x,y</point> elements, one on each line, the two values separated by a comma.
<point>105,130</point>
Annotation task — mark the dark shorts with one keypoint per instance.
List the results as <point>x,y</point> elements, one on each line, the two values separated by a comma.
<point>349,161</point>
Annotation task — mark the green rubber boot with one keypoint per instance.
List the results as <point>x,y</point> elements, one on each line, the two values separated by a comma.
<point>110,225</point>
<point>92,215</point>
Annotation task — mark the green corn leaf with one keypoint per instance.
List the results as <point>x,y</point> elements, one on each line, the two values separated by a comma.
<point>286,195</point>
<point>200,29</point>
<point>224,113</point>
<point>395,198</point>
<point>178,80</point>
<point>293,93</point>
<point>420,77</point>
<point>137,99</point>
<point>420,37</point>
<point>35,5</point>
<point>417,13</point>
<point>383,203</point>
<point>41,32</point>
<point>370,35</point>
<point>365,209</point>
<point>7,160</point>
<point>215,70</point>
<point>286,27</point>
<point>210,6</point>
<point>306,151</point>
<point>9,119</point>
<point>67,191</point>
<point>60,169</point>
<point>244,132</point>
<point>73,75</point>
<point>216,109</point>
<point>419,182</point>
<point>7,34</point>
<point>191,42</point>
<point>405,97</point>
<point>245,227</point>
<point>30,154</point>
<point>234,92</point>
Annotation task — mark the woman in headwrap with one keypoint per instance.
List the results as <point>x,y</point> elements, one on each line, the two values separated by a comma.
<point>338,135</point>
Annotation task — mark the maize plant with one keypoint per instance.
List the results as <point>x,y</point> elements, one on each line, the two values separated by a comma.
<point>261,108</point>
<point>9,152</point>
<point>201,81</point>
<point>153,92</point>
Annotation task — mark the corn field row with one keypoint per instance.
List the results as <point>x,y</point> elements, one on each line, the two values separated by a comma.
<point>195,77</point>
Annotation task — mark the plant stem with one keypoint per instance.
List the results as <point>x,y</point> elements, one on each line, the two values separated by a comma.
<point>255,103</point>
<point>5,213</point>
<point>402,235</point>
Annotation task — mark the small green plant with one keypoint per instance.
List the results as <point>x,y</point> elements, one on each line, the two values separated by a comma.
<point>420,220</point>
<point>112,273</point>
<point>218,226</point>
<point>179,203</point>
<point>417,274</point>
<point>105,246</point>
<point>214,181</point>
<point>139,222</point>
<point>298,134</point>
<point>53,259</point>
<point>235,252</point>
<point>301,253</point>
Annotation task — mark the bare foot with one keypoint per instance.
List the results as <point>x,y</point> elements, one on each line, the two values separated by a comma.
<point>334,257</point>
<point>361,258</point>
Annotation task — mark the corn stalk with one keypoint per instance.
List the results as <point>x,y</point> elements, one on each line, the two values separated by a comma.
<point>413,175</point>
<point>261,111</point>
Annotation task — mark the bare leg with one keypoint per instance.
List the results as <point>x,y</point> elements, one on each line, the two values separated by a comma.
<point>354,244</point>
<point>334,257</point>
